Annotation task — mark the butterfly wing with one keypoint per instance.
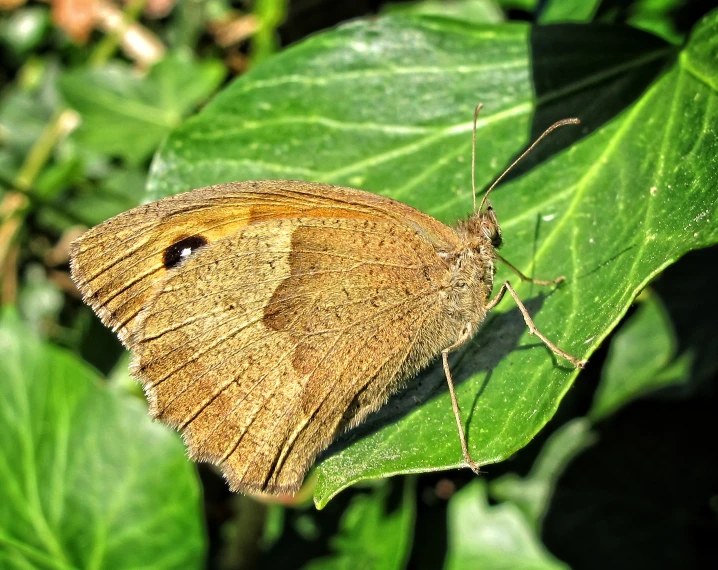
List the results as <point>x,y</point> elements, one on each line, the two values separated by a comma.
<point>301,310</point>
<point>117,264</point>
<point>266,344</point>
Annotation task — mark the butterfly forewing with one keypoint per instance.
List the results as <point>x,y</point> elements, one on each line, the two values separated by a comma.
<point>117,264</point>
<point>257,346</point>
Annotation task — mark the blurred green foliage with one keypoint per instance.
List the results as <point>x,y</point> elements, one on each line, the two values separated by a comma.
<point>79,461</point>
<point>620,475</point>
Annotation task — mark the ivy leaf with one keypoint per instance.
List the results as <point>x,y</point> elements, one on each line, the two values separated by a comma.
<point>84,472</point>
<point>375,531</point>
<point>484,536</point>
<point>124,114</point>
<point>532,494</point>
<point>386,105</point>
<point>476,11</point>
<point>568,11</point>
<point>659,18</point>
<point>641,359</point>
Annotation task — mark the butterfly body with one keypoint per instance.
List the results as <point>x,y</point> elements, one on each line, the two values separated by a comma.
<point>266,317</point>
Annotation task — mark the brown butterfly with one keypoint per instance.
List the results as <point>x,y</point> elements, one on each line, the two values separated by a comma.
<point>267,317</point>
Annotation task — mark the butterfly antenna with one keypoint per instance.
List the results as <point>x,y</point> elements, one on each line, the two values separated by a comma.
<point>553,127</point>
<point>473,154</point>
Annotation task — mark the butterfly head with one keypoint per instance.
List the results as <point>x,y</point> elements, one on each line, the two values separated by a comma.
<point>484,221</point>
<point>481,231</point>
<point>489,226</point>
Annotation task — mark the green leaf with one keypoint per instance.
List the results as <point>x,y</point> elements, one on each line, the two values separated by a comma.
<point>126,115</point>
<point>492,537</point>
<point>609,214</point>
<point>386,105</point>
<point>120,190</point>
<point>532,494</point>
<point>24,114</point>
<point>476,11</point>
<point>367,106</point>
<point>24,29</point>
<point>375,531</point>
<point>117,190</point>
<point>87,480</point>
<point>659,17</point>
<point>39,300</point>
<point>568,11</point>
<point>640,360</point>
<point>526,5</point>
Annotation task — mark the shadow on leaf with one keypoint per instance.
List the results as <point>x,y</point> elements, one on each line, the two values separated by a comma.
<point>497,338</point>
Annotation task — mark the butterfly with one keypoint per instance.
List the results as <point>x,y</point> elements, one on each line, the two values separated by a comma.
<point>267,317</point>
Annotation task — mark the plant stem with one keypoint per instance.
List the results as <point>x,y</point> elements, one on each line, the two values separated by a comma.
<point>15,203</point>
<point>270,14</point>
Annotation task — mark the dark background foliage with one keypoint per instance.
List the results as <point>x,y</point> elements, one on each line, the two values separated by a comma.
<point>95,119</point>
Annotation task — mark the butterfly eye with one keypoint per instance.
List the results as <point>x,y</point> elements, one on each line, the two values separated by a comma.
<point>495,237</point>
<point>490,227</point>
<point>181,250</point>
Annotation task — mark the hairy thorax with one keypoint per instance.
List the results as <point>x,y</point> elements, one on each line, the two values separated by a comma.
<point>468,286</point>
<point>470,276</point>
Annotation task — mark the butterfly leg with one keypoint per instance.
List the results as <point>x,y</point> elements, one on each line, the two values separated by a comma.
<point>473,465</point>
<point>529,279</point>
<point>530,324</point>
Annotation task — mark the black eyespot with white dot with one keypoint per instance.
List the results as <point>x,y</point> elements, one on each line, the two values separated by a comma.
<point>181,250</point>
